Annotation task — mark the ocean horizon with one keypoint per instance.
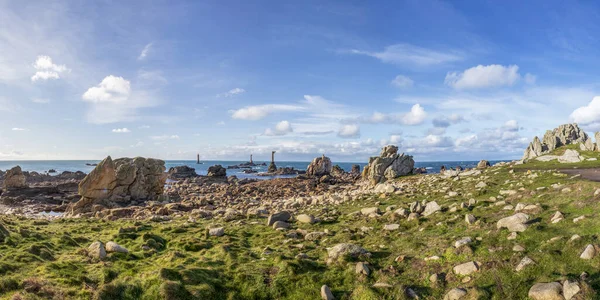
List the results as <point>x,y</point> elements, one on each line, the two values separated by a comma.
<point>43,166</point>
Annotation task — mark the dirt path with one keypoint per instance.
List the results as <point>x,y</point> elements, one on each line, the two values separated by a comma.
<point>589,174</point>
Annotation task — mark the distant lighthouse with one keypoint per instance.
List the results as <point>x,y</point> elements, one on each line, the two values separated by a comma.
<point>198,158</point>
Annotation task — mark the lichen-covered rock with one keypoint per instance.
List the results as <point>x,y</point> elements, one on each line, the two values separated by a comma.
<point>283,216</point>
<point>14,179</point>
<point>388,165</point>
<point>96,250</point>
<point>546,291</point>
<point>355,170</point>
<point>565,134</point>
<point>182,172</point>
<point>114,247</point>
<point>119,182</point>
<point>320,166</point>
<point>483,164</point>
<point>345,249</point>
<point>514,223</point>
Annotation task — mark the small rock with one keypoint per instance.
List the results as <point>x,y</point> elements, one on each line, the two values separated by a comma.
<point>280,216</point>
<point>114,247</point>
<point>589,252</point>
<point>470,219</point>
<point>220,231</point>
<point>526,261</point>
<point>391,227</point>
<point>546,291</point>
<point>570,289</point>
<point>578,219</point>
<point>342,249</point>
<point>455,294</point>
<point>369,210</point>
<point>362,269</point>
<point>466,268</point>
<point>514,223</point>
<point>518,248</point>
<point>281,224</point>
<point>326,293</point>
<point>304,218</point>
<point>463,241</point>
<point>430,208</point>
<point>97,250</point>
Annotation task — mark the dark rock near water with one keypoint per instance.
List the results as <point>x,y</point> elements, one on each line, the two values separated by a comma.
<point>217,171</point>
<point>182,172</point>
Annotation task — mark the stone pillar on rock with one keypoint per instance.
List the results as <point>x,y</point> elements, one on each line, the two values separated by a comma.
<point>272,166</point>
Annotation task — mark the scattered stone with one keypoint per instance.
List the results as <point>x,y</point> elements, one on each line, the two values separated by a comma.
<point>514,223</point>
<point>326,293</point>
<point>219,231</point>
<point>304,218</point>
<point>382,285</point>
<point>462,242</point>
<point>114,247</point>
<point>570,289</point>
<point>280,216</point>
<point>344,249</point>
<point>589,252</point>
<point>455,294</point>
<point>369,210</point>
<point>466,268</point>
<point>96,250</point>
<point>281,224</point>
<point>578,219</point>
<point>470,219</point>
<point>546,291</point>
<point>391,227</point>
<point>483,164</point>
<point>512,236</point>
<point>526,261</point>
<point>362,269</point>
<point>430,208</point>
<point>558,216</point>
<point>518,248</point>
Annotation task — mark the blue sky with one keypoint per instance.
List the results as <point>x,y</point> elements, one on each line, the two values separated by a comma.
<point>454,80</point>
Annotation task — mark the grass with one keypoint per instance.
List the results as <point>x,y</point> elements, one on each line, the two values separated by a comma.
<point>47,260</point>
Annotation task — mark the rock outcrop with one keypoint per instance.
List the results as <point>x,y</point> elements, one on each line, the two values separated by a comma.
<point>566,134</point>
<point>120,182</point>
<point>217,171</point>
<point>355,170</point>
<point>320,166</point>
<point>14,179</point>
<point>388,165</point>
<point>483,164</point>
<point>182,172</point>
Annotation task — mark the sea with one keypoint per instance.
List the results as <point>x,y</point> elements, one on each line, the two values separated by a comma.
<point>43,166</point>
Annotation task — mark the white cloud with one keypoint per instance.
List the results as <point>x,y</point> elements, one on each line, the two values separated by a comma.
<point>144,127</point>
<point>19,129</point>
<point>40,100</point>
<point>113,100</point>
<point>395,139</point>
<point>416,115</point>
<point>511,125</point>
<point>589,115</point>
<point>402,81</point>
<point>46,69</point>
<point>232,92</point>
<point>406,54</point>
<point>483,76</point>
<point>145,51</point>
<point>112,89</point>
<point>258,112</point>
<point>282,128</point>
<point>349,131</point>
<point>121,130</point>
<point>164,137</point>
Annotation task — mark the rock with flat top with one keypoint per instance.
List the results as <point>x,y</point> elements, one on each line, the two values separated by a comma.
<point>514,223</point>
<point>546,291</point>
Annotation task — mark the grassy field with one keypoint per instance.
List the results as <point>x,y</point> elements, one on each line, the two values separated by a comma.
<point>48,259</point>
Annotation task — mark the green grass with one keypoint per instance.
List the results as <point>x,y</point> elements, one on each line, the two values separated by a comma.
<point>42,260</point>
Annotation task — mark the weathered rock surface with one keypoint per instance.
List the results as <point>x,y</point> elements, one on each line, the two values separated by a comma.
<point>114,247</point>
<point>514,223</point>
<point>466,268</point>
<point>97,250</point>
<point>217,171</point>
<point>455,294</point>
<point>182,172</point>
<point>319,166</point>
<point>483,164</point>
<point>119,182</point>
<point>565,134</point>
<point>326,293</point>
<point>283,216</point>
<point>344,249</point>
<point>388,165</point>
<point>14,179</point>
<point>546,291</point>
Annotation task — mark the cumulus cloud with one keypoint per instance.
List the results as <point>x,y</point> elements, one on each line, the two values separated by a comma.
<point>511,125</point>
<point>483,77</point>
<point>46,69</point>
<point>121,130</point>
<point>350,131</point>
<point>589,115</point>
<point>19,129</point>
<point>446,121</point>
<point>415,116</point>
<point>407,54</point>
<point>114,100</point>
<point>395,139</point>
<point>402,81</point>
<point>254,113</point>
<point>282,128</point>
<point>145,51</point>
<point>232,92</point>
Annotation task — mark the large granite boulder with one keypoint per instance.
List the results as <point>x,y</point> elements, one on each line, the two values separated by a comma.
<point>388,165</point>
<point>14,179</point>
<point>483,164</point>
<point>182,172</point>
<point>217,171</point>
<point>120,181</point>
<point>320,166</point>
<point>566,134</point>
